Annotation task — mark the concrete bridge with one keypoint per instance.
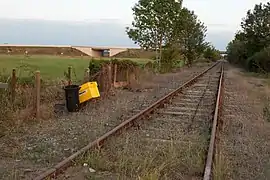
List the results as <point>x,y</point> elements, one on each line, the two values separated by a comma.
<point>92,51</point>
<point>101,51</point>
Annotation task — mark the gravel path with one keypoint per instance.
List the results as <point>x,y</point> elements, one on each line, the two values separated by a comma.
<point>34,148</point>
<point>244,146</point>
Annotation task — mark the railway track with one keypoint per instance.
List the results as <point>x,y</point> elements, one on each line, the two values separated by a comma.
<point>176,142</point>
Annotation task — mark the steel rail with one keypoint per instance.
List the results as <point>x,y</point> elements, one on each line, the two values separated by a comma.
<point>211,148</point>
<point>60,167</point>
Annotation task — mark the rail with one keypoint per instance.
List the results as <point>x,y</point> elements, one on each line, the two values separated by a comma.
<point>210,155</point>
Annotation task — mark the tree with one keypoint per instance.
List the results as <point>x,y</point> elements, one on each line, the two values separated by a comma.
<point>252,40</point>
<point>256,28</point>
<point>192,35</point>
<point>211,53</point>
<point>160,24</point>
<point>153,22</point>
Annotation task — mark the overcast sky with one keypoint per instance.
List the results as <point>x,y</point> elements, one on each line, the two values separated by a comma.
<point>226,14</point>
<point>218,15</point>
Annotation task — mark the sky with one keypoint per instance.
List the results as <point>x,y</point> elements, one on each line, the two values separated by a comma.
<point>220,16</point>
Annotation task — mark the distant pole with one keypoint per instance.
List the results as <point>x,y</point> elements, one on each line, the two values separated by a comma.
<point>69,75</point>
<point>110,75</point>
<point>13,85</point>
<point>157,52</point>
<point>38,94</point>
<point>114,75</point>
<point>87,75</point>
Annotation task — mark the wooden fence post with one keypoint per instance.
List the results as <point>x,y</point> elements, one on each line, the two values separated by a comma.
<point>127,74</point>
<point>103,79</point>
<point>110,76</point>
<point>13,85</point>
<point>69,75</point>
<point>114,75</point>
<point>38,94</point>
<point>86,75</point>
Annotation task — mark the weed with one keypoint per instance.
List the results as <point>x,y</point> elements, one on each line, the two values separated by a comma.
<point>266,110</point>
<point>130,159</point>
<point>220,167</point>
<point>14,113</point>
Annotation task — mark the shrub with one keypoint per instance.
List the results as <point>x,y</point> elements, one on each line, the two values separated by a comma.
<point>260,62</point>
<point>169,58</point>
<point>212,54</point>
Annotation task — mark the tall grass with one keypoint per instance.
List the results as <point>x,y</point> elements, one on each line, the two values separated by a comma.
<point>14,113</point>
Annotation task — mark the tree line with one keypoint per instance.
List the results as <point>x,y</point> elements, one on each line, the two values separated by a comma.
<point>170,29</point>
<point>251,45</point>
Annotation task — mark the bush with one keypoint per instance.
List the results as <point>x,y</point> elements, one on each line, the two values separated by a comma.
<point>212,54</point>
<point>237,53</point>
<point>96,65</point>
<point>169,59</point>
<point>260,62</point>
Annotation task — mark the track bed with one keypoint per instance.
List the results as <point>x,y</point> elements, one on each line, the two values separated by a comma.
<point>171,144</point>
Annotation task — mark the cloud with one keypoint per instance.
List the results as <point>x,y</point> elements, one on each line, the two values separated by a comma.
<point>105,32</point>
<point>220,39</point>
<point>100,33</point>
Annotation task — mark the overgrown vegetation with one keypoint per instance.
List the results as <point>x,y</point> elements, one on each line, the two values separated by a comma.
<point>211,53</point>
<point>18,108</point>
<point>251,45</point>
<point>129,158</point>
<point>15,113</point>
<point>96,65</point>
<point>169,29</point>
<point>266,110</point>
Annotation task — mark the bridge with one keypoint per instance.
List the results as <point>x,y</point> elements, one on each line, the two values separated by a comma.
<point>93,51</point>
<point>101,51</point>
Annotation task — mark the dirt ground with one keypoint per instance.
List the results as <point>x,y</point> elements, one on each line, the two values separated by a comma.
<point>244,146</point>
<point>34,148</point>
<point>67,51</point>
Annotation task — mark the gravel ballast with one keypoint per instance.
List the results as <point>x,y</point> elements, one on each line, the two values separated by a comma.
<point>244,140</point>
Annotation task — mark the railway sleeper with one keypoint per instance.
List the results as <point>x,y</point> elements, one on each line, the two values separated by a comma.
<point>191,104</point>
<point>189,109</point>
<point>200,92</point>
<point>193,96</point>
<point>196,101</point>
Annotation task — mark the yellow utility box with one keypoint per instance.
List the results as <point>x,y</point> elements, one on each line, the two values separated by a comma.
<point>88,91</point>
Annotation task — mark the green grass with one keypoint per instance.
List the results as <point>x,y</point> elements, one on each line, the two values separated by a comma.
<point>51,67</point>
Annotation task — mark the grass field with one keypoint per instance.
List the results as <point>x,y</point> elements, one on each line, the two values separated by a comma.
<point>51,67</point>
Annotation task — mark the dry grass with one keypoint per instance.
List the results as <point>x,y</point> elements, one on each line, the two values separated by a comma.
<point>22,110</point>
<point>221,166</point>
<point>245,136</point>
<point>131,158</point>
<point>266,109</point>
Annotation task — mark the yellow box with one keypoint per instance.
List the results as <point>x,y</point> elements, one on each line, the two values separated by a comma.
<point>88,91</point>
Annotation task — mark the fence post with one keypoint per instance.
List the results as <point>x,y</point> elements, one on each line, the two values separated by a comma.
<point>127,74</point>
<point>38,94</point>
<point>69,75</point>
<point>114,75</point>
<point>13,85</point>
<point>103,79</point>
<point>110,76</point>
<point>86,75</point>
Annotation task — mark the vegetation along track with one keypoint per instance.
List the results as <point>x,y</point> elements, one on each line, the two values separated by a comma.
<point>173,144</point>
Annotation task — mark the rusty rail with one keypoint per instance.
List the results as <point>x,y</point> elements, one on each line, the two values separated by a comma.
<point>211,148</point>
<point>60,167</point>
